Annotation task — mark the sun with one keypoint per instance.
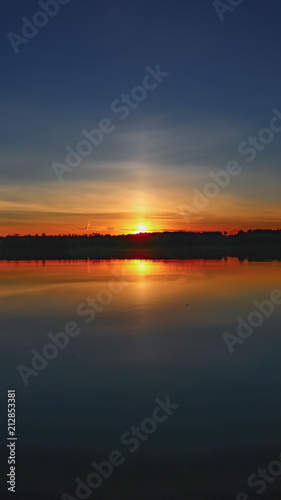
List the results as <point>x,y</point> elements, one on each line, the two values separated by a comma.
<point>141,228</point>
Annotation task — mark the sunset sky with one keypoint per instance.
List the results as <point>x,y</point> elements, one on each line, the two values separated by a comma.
<point>223,83</point>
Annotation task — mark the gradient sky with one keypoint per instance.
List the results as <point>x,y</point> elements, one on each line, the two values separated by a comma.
<point>224,80</point>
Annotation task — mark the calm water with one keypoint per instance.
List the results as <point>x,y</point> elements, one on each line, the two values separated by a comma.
<point>158,336</point>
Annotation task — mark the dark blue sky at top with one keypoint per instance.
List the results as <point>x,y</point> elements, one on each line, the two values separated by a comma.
<point>91,52</point>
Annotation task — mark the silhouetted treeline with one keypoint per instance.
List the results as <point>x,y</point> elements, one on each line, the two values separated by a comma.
<point>253,245</point>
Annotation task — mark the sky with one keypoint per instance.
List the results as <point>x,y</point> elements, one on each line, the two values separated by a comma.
<point>175,91</point>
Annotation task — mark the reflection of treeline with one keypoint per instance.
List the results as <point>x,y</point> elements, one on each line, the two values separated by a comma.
<point>253,245</point>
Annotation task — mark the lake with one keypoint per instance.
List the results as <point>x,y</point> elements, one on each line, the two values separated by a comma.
<point>136,373</point>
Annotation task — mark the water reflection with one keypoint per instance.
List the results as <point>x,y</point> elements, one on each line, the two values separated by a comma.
<point>146,343</point>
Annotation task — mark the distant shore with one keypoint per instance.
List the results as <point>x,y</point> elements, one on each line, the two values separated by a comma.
<point>250,245</point>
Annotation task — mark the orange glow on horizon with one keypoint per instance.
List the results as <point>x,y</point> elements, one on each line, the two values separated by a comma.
<point>52,231</point>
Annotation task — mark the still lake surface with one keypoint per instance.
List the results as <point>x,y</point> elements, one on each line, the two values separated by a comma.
<point>160,335</point>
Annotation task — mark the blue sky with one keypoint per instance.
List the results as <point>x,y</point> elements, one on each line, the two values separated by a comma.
<point>224,79</point>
